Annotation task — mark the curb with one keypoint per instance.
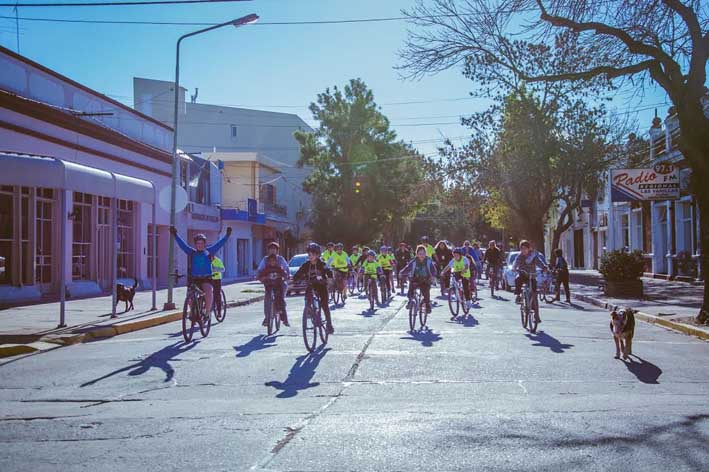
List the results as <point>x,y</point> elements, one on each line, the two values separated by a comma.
<point>9,350</point>
<point>652,319</point>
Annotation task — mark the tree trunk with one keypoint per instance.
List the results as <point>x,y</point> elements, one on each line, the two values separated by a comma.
<point>703,199</point>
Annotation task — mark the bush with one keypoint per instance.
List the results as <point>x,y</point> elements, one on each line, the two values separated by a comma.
<point>618,266</point>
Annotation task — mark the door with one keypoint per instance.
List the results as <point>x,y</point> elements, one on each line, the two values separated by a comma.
<point>578,249</point>
<point>242,248</point>
<point>104,255</point>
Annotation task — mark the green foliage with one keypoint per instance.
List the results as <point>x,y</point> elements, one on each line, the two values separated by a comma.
<point>619,266</point>
<point>355,144</point>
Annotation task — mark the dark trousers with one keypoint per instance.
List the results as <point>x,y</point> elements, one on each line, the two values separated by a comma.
<point>217,284</point>
<point>562,277</point>
<point>522,279</point>
<point>324,298</point>
<point>425,288</point>
<point>387,279</point>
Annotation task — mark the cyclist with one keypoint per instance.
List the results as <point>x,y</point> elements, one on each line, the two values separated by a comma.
<point>317,273</point>
<point>272,248</point>
<point>478,260</point>
<point>460,267</point>
<point>217,271</point>
<point>420,271</point>
<point>493,258</point>
<point>386,261</point>
<point>272,264</point>
<point>327,253</point>
<point>371,268</point>
<point>200,265</point>
<point>428,247</point>
<point>402,256</point>
<point>340,263</point>
<point>442,256</point>
<point>528,260</point>
<point>355,255</point>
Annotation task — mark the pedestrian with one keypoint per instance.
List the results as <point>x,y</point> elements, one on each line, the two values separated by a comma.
<point>562,275</point>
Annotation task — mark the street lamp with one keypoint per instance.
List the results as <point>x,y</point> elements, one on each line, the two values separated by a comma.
<point>252,18</point>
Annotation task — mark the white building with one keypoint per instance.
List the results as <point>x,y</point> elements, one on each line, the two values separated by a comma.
<point>261,145</point>
<point>666,232</point>
<point>63,145</point>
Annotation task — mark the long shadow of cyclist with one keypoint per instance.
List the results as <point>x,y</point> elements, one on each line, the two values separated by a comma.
<point>545,340</point>
<point>257,343</point>
<point>300,375</point>
<point>426,337</point>
<point>160,359</point>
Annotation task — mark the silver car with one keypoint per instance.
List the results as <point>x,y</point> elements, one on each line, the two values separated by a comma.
<point>293,266</point>
<point>508,275</point>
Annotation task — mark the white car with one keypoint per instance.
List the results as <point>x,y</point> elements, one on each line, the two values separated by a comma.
<point>508,275</point>
<point>296,287</point>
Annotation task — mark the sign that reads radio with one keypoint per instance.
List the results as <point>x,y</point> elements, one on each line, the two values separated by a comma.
<point>659,183</point>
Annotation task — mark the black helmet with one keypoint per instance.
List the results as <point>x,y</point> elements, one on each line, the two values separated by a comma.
<point>199,236</point>
<point>314,248</point>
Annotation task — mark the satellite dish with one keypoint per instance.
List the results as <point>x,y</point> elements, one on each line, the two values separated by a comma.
<point>180,199</point>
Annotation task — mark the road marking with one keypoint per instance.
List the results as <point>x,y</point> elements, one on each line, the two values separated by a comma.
<point>524,389</point>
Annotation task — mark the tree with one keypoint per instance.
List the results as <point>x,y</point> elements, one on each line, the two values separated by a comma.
<point>665,42</point>
<point>364,182</point>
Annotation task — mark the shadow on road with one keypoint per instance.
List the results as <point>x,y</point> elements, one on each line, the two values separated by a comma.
<point>645,371</point>
<point>300,375</point>
<point>257,343</point>
<point>545,340</point>
<point>368,313</point>
<point>426,337</point>
<point>159,360</point>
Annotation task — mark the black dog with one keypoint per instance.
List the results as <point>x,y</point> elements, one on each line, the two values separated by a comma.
<point>126,294</point>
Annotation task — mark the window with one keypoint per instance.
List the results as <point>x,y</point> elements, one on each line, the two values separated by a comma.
<point>81,244</point>
<point>267,194</point>
<point>624,231</point>
<point>6,233</point>
<point>685,214</point>
<point>43,250</point>
<point>233,132</point>
<point>126,246</point>
<point>636,241</point>
<point>151,231</point>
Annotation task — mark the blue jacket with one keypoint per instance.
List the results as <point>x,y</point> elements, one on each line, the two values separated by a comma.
<point>200,263</point>
<point>470,251</point>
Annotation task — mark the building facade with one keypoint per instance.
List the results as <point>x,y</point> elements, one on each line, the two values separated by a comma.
<point>666,232</point>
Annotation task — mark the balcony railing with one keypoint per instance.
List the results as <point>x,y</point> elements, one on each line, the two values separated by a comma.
<point>275,209</point>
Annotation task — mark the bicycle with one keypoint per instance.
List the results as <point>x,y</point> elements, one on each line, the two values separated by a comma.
<point>361,286</point>
<point>271,302</point>
<point>340,288</point>
<point>220,306</point>
<point>351,282</point>
<point>194,312</point>
<point>417,309</point>
<point>313,323</point>
<point>385,287</point>
<point>402,283</point>
<point>456,297</point>
<point>372,293</point>
<point>547,287</point>
<point>529,309</point>
<point>493,279</point>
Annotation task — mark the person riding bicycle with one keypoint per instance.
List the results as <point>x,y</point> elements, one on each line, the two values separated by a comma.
<point>442,257</point>
<point>217,273</point>
<point>339,262</point>
<point>421,271</point>
<point>372,269</point>
<point>200,263</point>
<point>317,273</point>
<point>273,248</point>
<point>528,260</point>
<point>493,258</point>
<point>386,261</point>
<point>355,255</point>
<point>460,267</point>
<point>328,252</point>
<point>277,282</point>
<point>429,249</point>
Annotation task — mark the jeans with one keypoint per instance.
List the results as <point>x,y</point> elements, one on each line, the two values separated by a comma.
<point>522,279</point>
<point>562,277</point>
<point>425,288</point>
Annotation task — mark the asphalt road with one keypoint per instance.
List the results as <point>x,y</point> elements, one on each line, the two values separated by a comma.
<point>478,395</point>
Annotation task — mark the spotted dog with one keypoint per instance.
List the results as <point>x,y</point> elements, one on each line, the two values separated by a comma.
<point>623,328</point>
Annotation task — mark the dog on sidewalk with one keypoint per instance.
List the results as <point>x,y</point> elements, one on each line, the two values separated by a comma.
<point>126,294</point>
<point>623,328</point>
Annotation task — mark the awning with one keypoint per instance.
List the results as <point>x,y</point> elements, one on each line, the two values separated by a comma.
<point>41,171</point>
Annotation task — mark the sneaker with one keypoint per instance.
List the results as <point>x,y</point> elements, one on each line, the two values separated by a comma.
<point>568,301</point>
<point>284,320</point>
<point>410,305</point>
<point>518,299</point>
<point>428,308</point>
<point>265,322</point>
<point>453,318</point>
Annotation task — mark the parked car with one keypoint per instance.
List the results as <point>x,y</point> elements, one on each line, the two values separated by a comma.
<point>508,276</point>
<point>293,266</point>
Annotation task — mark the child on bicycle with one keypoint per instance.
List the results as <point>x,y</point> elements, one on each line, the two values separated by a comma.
<point>420,272</point>
<point>317,273</point>
<point>371,268</point>
<point>340,264</point>
<point>527,261</point>
<point>273,275</point>
<point>200,264</point>
<point>386,260</point>
<point>461,268</point>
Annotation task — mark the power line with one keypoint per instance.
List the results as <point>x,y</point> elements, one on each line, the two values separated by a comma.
<point>116,4</point>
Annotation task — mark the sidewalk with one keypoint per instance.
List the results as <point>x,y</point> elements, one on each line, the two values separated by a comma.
<point>34,327</point>
<point>670,304</point>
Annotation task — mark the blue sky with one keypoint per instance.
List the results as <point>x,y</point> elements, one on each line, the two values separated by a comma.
<point>278,67</point>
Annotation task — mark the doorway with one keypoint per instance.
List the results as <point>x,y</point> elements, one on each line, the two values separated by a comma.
<point>579,262</point>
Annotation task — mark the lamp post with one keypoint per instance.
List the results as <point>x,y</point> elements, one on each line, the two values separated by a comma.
<point>252,18</point>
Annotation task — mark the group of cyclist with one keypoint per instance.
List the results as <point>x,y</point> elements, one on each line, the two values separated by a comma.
<point>334,266</point>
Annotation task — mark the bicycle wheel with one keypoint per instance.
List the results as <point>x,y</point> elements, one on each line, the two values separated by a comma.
<point>423,312</point>
<point>269,304</point>
<point>205,318</point>
<point>523,311</point>
<point>493,285</point>
<point>372,294</point>
<point>461,296</point>
<point>548,295</point>
<point>533,315</point>
<point>453,301</point>
<point>383,290</point>
<point>360,284</point>
<point>351,284</point>
<point>220,311</point>
<point>321,325</point>
<point>187,320</point>
<point>413,311</point>
<point>309,329</point>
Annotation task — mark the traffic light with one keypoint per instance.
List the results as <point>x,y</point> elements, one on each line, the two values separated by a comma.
<point>358,186</point>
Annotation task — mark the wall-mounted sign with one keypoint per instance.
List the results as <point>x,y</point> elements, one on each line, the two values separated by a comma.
<point>659,183</point>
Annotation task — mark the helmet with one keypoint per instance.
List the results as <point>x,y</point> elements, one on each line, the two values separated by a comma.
<point>466,242</point>
<point>314,248</point>
<point>424,238</point>
<point>355,248</point>
<point>339,246</point>
<point>199,236</point>
<point>383,248</point>
<point>458,251</point>
<point>330,244</point>
<point>371,253</point>
<point>273,244</point>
